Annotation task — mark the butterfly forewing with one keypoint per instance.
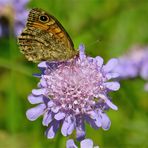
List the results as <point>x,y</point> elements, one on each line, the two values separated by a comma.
<point>44,38</point>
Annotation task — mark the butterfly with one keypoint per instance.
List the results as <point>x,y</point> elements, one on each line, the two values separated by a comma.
<point>45,39</point>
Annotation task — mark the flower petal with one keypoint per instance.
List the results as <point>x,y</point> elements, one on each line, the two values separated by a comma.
<point>92,114</point>
<point>111,105</point>
<point>144,71</point>
<point>86,143</point>
<point>59,116</point>
<point>71,128</point>
<point>70,144</point>
<point>50,104</point>
<point>112,75</point>
<point>33,113</point>
<point>42,64</point>
<point>105,121</point>
<point>68,126</point>
<point>35,99</point>
<point>91,122</point>
<point>108,102</point>
<point>47,118</point>
<point>98,121</point>
<point>55,109</point>
<point>96,118</point>
<point>43,82</point>
<point>64,128</point>
<point>52,130</point>
<point>82,53</point>
<point>114,86</point>
<point>39,91</point>
<point>99,61</point>
<point>110,65</point>
<point>80,129</point>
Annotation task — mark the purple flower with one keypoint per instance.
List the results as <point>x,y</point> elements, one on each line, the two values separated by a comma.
<point>74,92</point>
<point>13,14</point>
<point>86,143</point>
<point>133,64</point>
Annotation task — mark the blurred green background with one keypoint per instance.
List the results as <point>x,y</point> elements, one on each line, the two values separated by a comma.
<point>107,28</point>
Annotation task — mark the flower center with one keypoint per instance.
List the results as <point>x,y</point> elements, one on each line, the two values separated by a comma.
<point>75,87</point>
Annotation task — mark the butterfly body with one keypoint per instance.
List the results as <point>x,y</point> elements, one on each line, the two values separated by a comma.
<point>44,38</point>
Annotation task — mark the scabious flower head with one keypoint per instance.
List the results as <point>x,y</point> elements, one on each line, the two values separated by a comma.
<point>74,92</point>
<point>133,64</point>
<point>13,15</point>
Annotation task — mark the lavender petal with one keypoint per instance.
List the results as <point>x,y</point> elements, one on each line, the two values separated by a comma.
<point>112,75</point>
<point>110,65</point>
<point>39,91</point>
<point>108,102</point>
<point>70,144</point>
<point>47,118</point>
<point>59,116</point>
<point>35,99</point>
<point>51,132</point>
<point>91,122</point>
<point>105,121</point>
<point>99,61</point>
<point>86,143</point>
<point>113,86</point>
<point>67,126</point>
<point>42,64</point>
<point>33,113</point>
<point>81,53</point>
<point>80,129</point>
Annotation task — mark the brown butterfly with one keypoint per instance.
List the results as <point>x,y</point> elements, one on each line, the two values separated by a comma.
<point>44,38</point>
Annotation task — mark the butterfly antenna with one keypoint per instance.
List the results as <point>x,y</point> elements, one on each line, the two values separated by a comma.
<point>93,43</point>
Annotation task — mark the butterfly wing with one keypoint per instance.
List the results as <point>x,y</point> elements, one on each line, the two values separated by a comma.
<point>44,38</point>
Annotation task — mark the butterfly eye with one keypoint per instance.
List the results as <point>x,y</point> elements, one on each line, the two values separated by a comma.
<point>44,18</point>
